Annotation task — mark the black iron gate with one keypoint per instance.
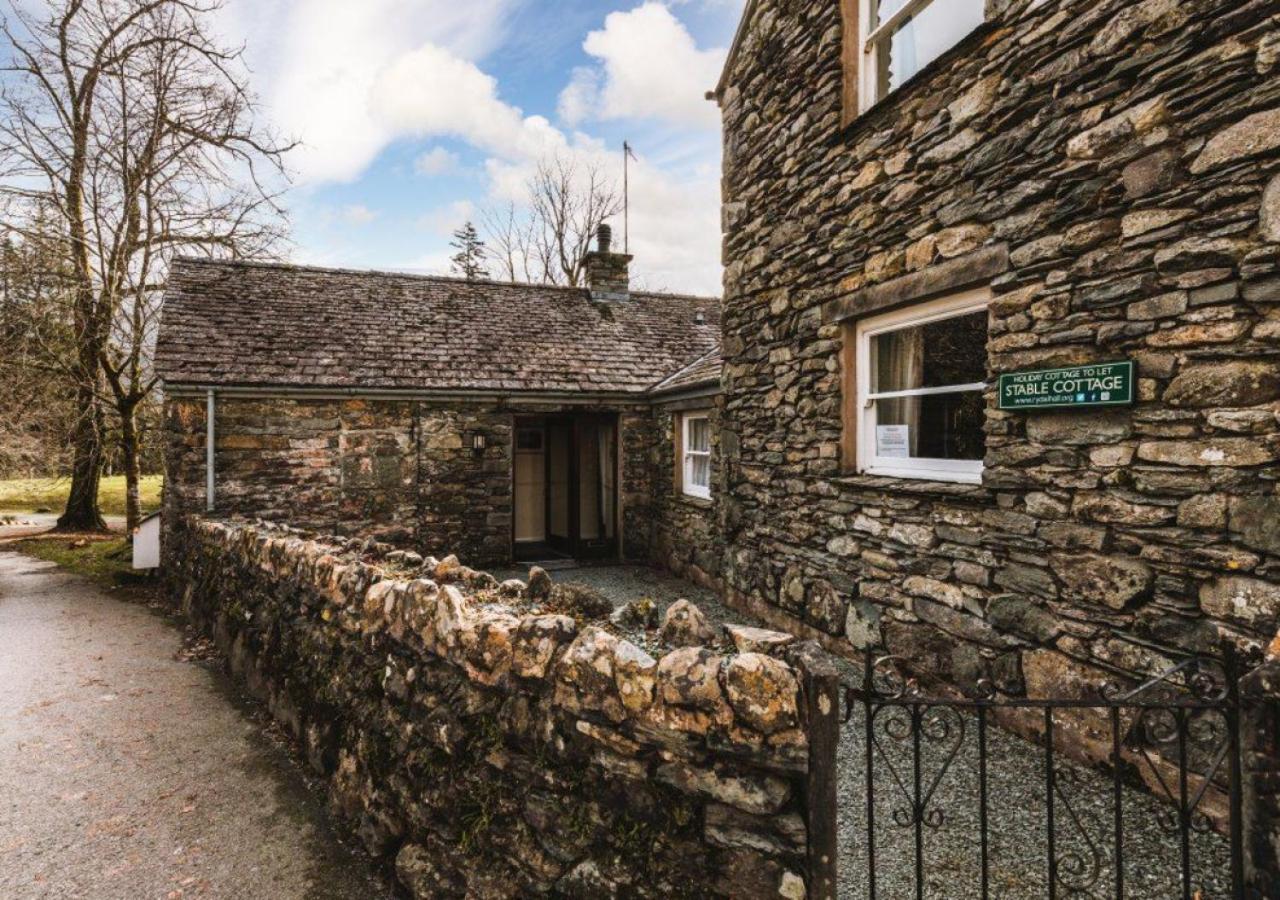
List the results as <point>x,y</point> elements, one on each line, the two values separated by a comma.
<point>1166,755</point>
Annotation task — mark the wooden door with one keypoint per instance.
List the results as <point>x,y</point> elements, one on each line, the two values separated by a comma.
<point>560,529</point>
<point>530,485</point>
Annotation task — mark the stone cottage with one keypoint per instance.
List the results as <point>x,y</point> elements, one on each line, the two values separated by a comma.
<point>997,381</point>
<point>494,421</point>
<point>922,196</point>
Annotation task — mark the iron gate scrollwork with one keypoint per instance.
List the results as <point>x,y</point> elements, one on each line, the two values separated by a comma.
<point>1177,733</point>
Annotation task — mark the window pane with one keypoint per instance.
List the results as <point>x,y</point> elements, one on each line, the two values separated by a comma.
<point>924,37</point>
<point>937,426</point>
<point>529,439</point>
<point>699,435</point>
<point>947,352</point>
<point>700,471</point>
<point>886,8</point>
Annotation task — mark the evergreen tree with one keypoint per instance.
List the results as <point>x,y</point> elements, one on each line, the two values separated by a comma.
<point>469,260</point>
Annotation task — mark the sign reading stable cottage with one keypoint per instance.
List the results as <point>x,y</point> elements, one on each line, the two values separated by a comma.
<point>1103,384</point>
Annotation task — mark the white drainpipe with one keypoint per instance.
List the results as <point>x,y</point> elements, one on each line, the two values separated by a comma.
<point>208,450</point>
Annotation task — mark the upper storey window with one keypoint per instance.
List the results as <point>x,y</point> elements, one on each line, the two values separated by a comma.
<point>898,38</point>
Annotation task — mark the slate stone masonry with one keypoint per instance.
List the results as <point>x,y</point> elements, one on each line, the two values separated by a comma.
<point>1112,171</point>
<point>487,745</point>
<point>687,536</point>
<point>402,471</point>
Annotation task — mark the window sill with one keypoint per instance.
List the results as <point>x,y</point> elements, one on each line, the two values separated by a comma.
<point>914,484</point>
<point>913,474</point>
<point>695,500</point>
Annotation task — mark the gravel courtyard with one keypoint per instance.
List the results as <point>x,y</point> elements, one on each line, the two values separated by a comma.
<point>1017,827</point>
<point>127,773</point>
<point>1016,792</point>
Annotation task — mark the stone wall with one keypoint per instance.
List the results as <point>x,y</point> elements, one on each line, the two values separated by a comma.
<point>398,470</point>
<point>496,742</point>
<point>322,464</point>
<point>688,532</point>
<point>1112,170</point>
<point>636,434</point>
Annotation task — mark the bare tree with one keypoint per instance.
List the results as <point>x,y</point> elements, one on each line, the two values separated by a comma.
<point>131,120</point>
<point>510,238</point>
<point>36,343</point>
<point>549,240</point>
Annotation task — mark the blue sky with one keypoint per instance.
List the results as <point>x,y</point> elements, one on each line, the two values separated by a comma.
<point>418,114</point>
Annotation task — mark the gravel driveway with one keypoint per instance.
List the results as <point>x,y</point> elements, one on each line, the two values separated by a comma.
<point>1017,825</point>
<point>1016,790</point>
<point>126,773</point>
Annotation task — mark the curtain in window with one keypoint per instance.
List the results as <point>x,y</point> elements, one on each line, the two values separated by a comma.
<point>900,367</point>
<point>696,455</point>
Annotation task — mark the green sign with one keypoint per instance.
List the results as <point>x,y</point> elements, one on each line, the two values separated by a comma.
<point>1101,384</point>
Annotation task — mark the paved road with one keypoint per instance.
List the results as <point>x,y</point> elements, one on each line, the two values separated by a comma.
<point>126,773</point>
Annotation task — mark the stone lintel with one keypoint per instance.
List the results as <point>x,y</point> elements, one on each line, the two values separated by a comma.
<point>967,271</point>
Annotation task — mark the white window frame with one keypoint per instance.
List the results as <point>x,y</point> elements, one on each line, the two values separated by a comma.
<point>965,471</point>
<point>687,456</point>
<point>869,40</point>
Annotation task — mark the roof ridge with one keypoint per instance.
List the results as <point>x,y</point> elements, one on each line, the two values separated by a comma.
<point>420,276</point>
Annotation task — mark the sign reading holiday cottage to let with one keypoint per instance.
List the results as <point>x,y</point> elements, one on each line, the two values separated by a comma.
<point>1101,384</point>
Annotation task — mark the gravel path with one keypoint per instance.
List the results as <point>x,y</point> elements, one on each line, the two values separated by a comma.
<point>622,584</point>
<point>1017,825</point>
<point>127,773</point>
<point>1018,847</point>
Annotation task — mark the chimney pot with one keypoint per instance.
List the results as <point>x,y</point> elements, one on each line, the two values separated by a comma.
<point>607,276</point>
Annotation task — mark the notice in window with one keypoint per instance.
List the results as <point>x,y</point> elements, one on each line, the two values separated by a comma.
<point>893,441</point>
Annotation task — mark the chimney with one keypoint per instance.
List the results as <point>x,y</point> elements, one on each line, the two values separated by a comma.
<point>607,276</point>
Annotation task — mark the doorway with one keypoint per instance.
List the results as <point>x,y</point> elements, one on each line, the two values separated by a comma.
<point>565,479</point>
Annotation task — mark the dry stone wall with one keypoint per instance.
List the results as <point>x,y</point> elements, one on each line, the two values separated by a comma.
<point>489,743</point>
<point>1114,167</point>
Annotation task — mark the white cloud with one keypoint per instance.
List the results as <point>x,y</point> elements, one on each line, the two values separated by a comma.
<point>316,62</point>
<point>437,161</point>
<point>432,92</point>
<point>439,262</point>
<point>349,78</point>
<point>674,216</point>
<point>581,96</point>
<point>675,229</point>
<point>357,214</point>
<point>445,220</point>
<point>649,67</point>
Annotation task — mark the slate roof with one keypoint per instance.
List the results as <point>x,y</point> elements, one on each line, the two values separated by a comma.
<point>271,325</point>
<point>702,372</point>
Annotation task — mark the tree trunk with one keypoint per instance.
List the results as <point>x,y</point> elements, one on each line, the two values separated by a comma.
<point>82,512</point>
<point>129,450</point>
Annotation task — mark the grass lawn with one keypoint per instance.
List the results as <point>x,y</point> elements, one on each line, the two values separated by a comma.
<point>107,561</point>
<point>25,495</point>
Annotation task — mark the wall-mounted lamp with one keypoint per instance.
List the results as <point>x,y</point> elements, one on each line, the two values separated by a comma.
<point>477,442</point>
